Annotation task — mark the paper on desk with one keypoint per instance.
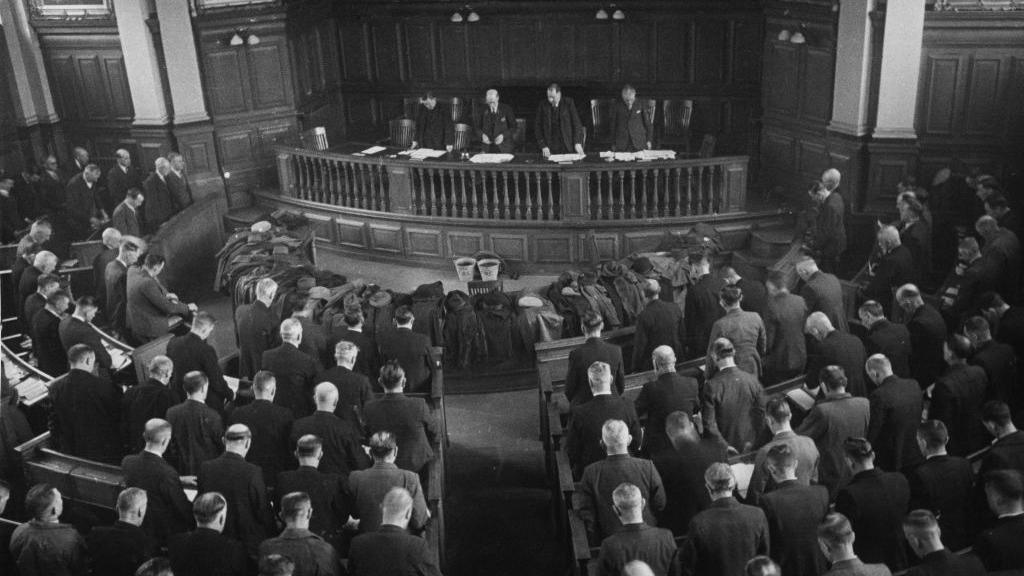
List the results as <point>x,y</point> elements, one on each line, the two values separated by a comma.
<point>232,383</point>
<point>373,150</point>
<point>491,158</point>
<point>118,358</point>
<point>742,472</point>
<point>423,153</point>
<point>566,157</point>
<point>656,154</point>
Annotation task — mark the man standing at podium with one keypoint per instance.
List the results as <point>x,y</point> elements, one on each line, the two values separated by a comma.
<point>558,126</point>
<point>632,127</point>
<point>496,125</point>
<point>433,125</point>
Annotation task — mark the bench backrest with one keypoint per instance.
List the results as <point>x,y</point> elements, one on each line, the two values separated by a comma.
<point>554,355</point>
<point>78,480</point>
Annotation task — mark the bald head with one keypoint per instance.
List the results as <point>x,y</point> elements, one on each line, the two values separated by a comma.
<point>615,436</point>
<point>237,439</point>
<point>664,359</point>
<point>806,268</point>
<point>45,261</point>
<point>291,331</point>
<point>157,435</point>
<point>888,238</point>
<point>637,568</point>
<point>830,179</point>
<point>818,326</point>
<point>397,508</point>
<point>112,238</point>
<point>878,368</point>
<point>326,397</point>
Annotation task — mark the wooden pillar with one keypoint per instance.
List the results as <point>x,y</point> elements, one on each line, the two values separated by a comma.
<point>575,192</point>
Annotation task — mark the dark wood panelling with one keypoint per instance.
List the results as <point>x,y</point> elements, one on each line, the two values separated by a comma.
<point>674,53</point>
<point>594,43</point>
<point>510,246</point>
<point>940,80</point>
<point>485,64</point>
<point>88,79</point>
<point>355,52</point>
<point>224,86</point>
<point>268,75</point>
<point>386,49</point>
<point>520,44</point>
<point>816,95</point>
<point>422,59</point>
<point>423,242</point>
<point>983,115</point>
<point>712,38</point>
<point>635,53</point>
<point>781,77</point>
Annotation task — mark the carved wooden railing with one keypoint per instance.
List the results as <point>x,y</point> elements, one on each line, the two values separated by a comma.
<point>527,189</point>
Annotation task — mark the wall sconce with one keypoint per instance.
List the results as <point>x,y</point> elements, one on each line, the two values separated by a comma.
<point>616,14</point>
<point>470,16</point>
<point>242,36</point>
<point>795,37</point>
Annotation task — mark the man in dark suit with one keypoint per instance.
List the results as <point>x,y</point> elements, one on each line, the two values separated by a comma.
<point>999,547</point>
<point>46,345</point>
<point>433,125</point>
<point>832,420</point>
<point>681,466</point>
<point>256,327</point>
<point>943,484</point>
<point>1007,451</point>
<point>893,268</point>
<point>577,386</point>
<point>328,491</point>
<point>958,396</point>
<point>593,498</point>
<point>86,411</point>
<point>368,488</point>
<point>46,284</point>
<point>998,361</point>
<point>557,126</point>
<point>836,538</point>
<point>310,553</point>
<point>191,352</point>
<point>295,370</point>
<point>755,294</point>
<point>111,239</point>
<point>884,337</point>
<point>896,405</point>
<point>126,218</point>
<point>120,549</point>
<point>632,126</point>
<point>116,280</point>
<point>804,450</point>
<point>206,551</point>
<point>168,510</point>
<point>831,347</point>
<point>702,309</point>
<point>784,318</point>
<point>11,221</point>
<point>1002,250</point>
<point>249,517</point>
<point>159,206</point>
<point>927,334</point>
<point>120,178</point>
<point>727,534</point>
<point>926,538</point>
<point>354,389</point>
<point>341,439</point>
<point>79,161</point>
<point>496,125</point>
<point>823,293</point>
<point>583,440</point>
<point>349,327</point>
<point>77,329</point>
<point>732,401</point>
<point>668,393</point>
<point>636,539</point>
<point>794,511</point>
<point>177,181</point>
<point>270,426</point>
<point>828,236</point>
<point>971,277</point>
<point>44,262</point>
<point>149,303</point>
<point>409,419</point>
<point>1007,320</point>
<point>144,402</point>
<point>410,349</point>
<point>84,205</point>
<point>875,502</point>
<point>660,324</point>
<point>391,549</point>
<point>198,429</point>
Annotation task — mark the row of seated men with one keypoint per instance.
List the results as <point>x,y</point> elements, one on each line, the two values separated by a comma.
<point>557,125</point>
<point>635,507</point>
<point>82,199</point>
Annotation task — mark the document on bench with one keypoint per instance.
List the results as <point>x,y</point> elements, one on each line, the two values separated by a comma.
<point>491,158</point>
<point>422,153</point>
<point>372,150</point>
<point>742,472</point>
<point>119,359</point>
<point>232,383</point>
<point>566,157</point>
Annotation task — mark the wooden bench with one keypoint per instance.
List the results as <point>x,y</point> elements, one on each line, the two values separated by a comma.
<point>31,383</point>
<point>92,484</point>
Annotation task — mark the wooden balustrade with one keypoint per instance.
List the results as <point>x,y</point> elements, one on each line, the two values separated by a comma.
<point>527,189</point>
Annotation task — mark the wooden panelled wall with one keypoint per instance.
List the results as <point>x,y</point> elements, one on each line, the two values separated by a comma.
<point>353,70</point>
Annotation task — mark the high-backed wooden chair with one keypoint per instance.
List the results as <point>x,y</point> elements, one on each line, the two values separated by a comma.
<point>458,109</point>
<point>676,116</point>
<point>601,118</point>
<point>315,138</point>
<point>650,108</point>
<point>463,137</point>
<point>402,131</point>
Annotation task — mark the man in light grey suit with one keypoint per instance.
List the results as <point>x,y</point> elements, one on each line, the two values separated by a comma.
<point>149,303</point>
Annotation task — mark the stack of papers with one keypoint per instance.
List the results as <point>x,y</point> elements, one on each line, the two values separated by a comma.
<point>656,154</point>
<point>491,158</point>
<point>118,357</point>
<point>370,150</point>
<point>422,153</point>
<point>566,157</point>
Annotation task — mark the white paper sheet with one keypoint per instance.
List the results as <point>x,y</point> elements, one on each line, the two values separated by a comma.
<point>373,150</point>
<point>566,157</point>
<point>491,158</point>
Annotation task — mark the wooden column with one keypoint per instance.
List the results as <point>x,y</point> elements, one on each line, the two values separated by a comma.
<point>575,202</point>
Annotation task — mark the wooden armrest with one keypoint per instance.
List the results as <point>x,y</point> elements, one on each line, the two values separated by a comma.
<point>565,481</point>
<point>555,429</point>
<point>435,488</point>
<point>544,380</point>
<point>437,372</point>
<point>578,535</point>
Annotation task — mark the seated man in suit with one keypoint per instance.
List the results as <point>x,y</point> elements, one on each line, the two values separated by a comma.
<point>414,427</point>
<point>586,421</point>
<point>143,402</point>
<point>836,538</point>
<point>310,553</point>
<point>369,487</point>
<point>433,125</point>
<point>660,324</point>
<point>557,125</point>
<point>635,539</point>
<point>270,425</point>
<point>198,429</point>
<point>875,502</point>
<point>78,329</point>
<point>343,452</point>
<point>593,499</point>
<point>295,370</point>
<point>1007,451</point>
<point>328,491</point>
<point>120,549</point>
<point>681,466</point>
<point>192,352</point>
<point>44,545</point>
<point>831,347</point>
<point>496,125</point>
<point>116,280</point>
<point>577,386</point>
<point>723,537</point>
<point>999,547</point>
<point>943,484</point>
<point>126,218</point>
<point>257,328</point>
<point>896,405</point>
<point>732,402</point>
<point>958,396</point>
<point>351,330</point>
<point>794,511</point>
<point>149,304</point>
<point>167,510</point>
<point>924,536</point>
<point>777,418</point>
<point>354,389</point>
<point>885,337</point>
<point>86,411</point>
<point>46,345</point>
<point>410,349</point>
<point>823,293</point>
<point>391,549</point>
<point>670,392</point>
<point>249,517</point>
<point>206,551</point>
<point>632,126</point>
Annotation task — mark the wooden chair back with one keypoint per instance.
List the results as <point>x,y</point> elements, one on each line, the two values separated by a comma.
<point>601,118</point>
<point>314,138</point>
<point>458,109</point>
<point>463,137</point>
<point>402,132</point>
